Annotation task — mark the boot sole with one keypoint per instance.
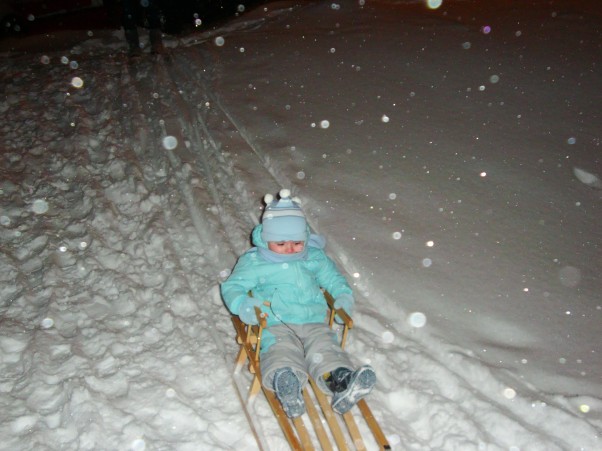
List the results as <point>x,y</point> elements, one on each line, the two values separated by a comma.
<point>290,397</point>
<point>360,387</point>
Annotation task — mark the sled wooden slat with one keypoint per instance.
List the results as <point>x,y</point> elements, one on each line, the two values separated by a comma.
<point>303,433</point>
<point>287,429</point>
<point>330,417</point>
<point>295,431</point>
<point>379,435</point>
<point>354,432</point>
<point>316,421</point>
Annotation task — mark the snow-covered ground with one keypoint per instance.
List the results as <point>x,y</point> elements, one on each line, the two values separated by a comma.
<point>451,157</point>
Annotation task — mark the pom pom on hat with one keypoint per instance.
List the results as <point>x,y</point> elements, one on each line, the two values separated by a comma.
<point>283,219</point>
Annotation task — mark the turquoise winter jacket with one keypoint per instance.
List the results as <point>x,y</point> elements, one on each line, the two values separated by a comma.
<point>291,286</point>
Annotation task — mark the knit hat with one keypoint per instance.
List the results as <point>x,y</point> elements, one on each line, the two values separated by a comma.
<point>283,219</point>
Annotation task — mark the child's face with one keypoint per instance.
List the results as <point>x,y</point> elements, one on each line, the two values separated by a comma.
<point>286,247</point>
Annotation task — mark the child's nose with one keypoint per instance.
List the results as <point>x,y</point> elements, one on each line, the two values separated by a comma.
<point>290,248</point>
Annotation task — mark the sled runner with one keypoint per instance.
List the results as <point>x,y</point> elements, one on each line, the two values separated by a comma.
<point>327,429</point>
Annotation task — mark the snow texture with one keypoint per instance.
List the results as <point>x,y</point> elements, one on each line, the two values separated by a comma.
<point>450,155</point>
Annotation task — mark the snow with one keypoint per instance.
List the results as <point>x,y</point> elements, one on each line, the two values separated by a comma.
<point>450,156</point>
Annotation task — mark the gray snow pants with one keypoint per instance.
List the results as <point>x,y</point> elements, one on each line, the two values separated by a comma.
<point>306,348</point>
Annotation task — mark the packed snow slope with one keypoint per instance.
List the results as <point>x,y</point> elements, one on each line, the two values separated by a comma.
<point>450,156</point>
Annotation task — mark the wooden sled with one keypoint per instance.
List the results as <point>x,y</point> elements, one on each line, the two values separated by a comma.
<point>327,430</point>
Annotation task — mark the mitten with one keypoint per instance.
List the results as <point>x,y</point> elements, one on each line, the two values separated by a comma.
<point>246,311</point>
<point>346,302</point>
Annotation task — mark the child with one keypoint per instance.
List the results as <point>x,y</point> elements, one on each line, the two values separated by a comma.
<point>283,275</point>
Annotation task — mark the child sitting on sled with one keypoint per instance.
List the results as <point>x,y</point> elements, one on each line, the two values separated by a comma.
<point>282,275</point>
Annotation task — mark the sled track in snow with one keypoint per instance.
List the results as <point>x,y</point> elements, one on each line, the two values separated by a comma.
<point>177,164</point>
<point>170,124</point>
<point>184,107</point>
<point>172,115</point>
<point>250,142</point>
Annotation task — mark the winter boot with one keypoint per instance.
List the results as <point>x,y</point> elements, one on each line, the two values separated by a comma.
<point>156,41</point>
<point>131,36</point>
<point>288,391</point>
<point>349,387</point>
